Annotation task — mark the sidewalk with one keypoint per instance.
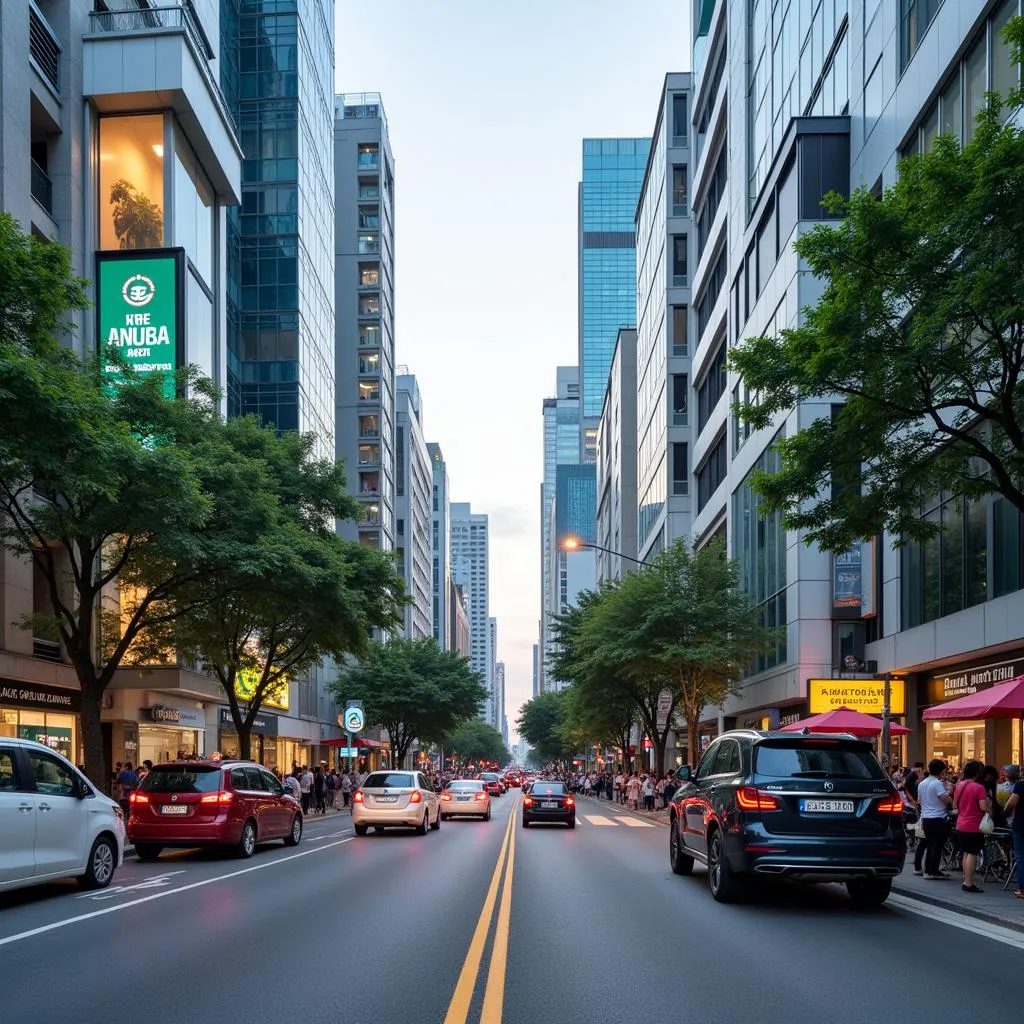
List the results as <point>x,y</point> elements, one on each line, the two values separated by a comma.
<point>995,905</point>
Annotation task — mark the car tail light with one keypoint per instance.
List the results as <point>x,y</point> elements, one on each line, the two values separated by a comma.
<point>569,802</point>
<point>528,801</point>
<point>891,804</point>
<point>357,796</point>
<point>138,798</point>
<point>224,797</point>
<point>446,796</point>
<point>415,797</point>
<point>481,795</point>
<point>750,799</point>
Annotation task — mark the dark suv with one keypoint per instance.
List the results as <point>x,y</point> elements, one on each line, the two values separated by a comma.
<point>796,806</point>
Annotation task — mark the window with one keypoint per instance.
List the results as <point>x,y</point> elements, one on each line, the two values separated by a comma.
<point>368,156</point>
<point>711,388</point>
<point>680,119</point>
<point>193,211</point>
<point>679,345</point>
<point>727,760</point>
<point>369,335</point>
<point>741,428</point>
<point>712,473</point>
<point>712,200</point>
<point>369,483</point>
<point>975,84</point>
<point>369,217</point>
<point>680,467</point>
<point>52,777</point>
<point>680,398</point>
<point>369,241</point>
<point>369,275</point>
<point>766,248</point>
<point>915,17</point>
<point>131,201</point>
<point>679,191</point>
<point>709,296</point>
<point>369,305</point>
<point>8,780</point>
<point>368,454</point>
<point>369,391</point>
<point>679,261</point>
<point>1004,71</point>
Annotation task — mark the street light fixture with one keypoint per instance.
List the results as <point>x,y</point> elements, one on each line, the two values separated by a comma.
<point>572,543</point>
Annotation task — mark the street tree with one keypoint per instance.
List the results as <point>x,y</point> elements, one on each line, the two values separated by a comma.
<point>916,345</point>
<point>298,593</point>
<point>475,740</point>
<point>540,722</point>
<point>414,690</point>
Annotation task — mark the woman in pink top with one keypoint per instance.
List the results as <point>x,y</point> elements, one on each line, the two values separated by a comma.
<point>971,805</point>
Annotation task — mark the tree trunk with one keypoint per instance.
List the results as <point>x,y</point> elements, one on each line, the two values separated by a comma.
<point>92,738</point>
<point>244,742</point>
<point>660,741</point>
<point>692,740</point>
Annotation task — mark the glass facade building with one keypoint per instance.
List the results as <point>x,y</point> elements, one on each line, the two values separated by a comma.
<point>276,75</point>
<point>613,171</point>
<point>576,502</point>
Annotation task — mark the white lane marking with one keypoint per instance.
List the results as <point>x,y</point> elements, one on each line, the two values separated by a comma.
<point>634,823</point>
<point>53,926</point>
<point>968,924</point>
<point>155,882</point>
<point>598,819</point>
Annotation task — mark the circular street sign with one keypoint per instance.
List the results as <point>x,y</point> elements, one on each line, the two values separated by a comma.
<point>355,719</point>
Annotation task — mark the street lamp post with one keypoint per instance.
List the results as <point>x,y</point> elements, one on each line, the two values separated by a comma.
<point>575,544</point>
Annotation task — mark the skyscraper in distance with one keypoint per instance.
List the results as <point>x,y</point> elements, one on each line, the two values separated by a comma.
<point>440,544</point>
<point>470,556</point>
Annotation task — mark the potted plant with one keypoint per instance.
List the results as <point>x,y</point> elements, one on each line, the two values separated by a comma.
<point>138,221</point>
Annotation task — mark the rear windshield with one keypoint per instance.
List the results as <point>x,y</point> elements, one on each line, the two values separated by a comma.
<point>816,760</point>
<point>490,776</point>
<point>548,788</point>
<point>192,779</point>
<point>388,780</point>
<point>467,786</point>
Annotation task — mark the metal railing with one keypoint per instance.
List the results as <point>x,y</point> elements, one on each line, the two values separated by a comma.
<point>143,19</point>
<point>47,649</point>
<point>43,47</point>
<point>42,188</point>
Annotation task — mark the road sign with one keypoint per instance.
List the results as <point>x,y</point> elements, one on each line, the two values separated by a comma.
<point>355,717</point>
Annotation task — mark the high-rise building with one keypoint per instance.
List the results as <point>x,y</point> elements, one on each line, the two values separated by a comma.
<point>612,172</point>
<point>536,670</point>
<point>413,496</point>
<point>663,366</point>
<point>470,552</point>
<point>460,638</point>
<point>364,346</point>
<point>440,547</point>
<point>278,77</point>
<point>493,716</point>
<point>616,464</point>
<point>561,447</point>
<point>499,691</point>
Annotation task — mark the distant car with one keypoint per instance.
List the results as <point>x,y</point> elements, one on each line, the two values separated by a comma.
<point>54,823</point>
<point>395,799</point>
<point>549,802</point>
<point>466,798</point>
<point>494,784</point>
<point>234,804</point>
<point>802,807</point>
<point>511,779</point>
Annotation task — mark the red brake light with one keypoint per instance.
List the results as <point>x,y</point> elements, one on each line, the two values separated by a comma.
<point>481,795</point>
<point>891,804</point>
<point>415,797</point>
<point>569,802</point>
<point>750,799</point>
<point>357,796</point>
<point>446,796</point>
<point>528,801</point>
<point>217,798</point>
<point>138,798</point>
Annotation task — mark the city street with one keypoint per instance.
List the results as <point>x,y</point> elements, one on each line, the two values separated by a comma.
<point>398,927</point>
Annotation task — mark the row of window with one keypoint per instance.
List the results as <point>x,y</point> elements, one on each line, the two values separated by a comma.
<point>712,199</point>
<point>709,294</point>
<point>712,387</point>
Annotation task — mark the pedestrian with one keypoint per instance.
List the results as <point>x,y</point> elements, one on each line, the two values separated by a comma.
<point>319,791</point>
<point>1015,808</point>
<point>346,789</point>
<point>306,787</point>
<point>291,784</point>
<point>633,792</point>
<point>129,782</point>
<point>648,790</point>
<point>332,788</point>
<point>935,803</point>
<point>971,806</point>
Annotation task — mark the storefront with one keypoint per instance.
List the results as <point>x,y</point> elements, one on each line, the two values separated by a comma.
<point>772,718</point>
<point>46,714</point>
<point>955,741</point>
<point>278,753</point>
<point>171,733</point>
<point>866,696</point>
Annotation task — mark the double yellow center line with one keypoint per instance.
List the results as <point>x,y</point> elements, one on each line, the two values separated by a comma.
<point>494,993</point>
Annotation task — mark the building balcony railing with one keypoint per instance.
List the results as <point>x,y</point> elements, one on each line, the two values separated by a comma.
<point>42,188</point>
<point>47,649</point>
<point>43,48</point>
<point>168,15</point>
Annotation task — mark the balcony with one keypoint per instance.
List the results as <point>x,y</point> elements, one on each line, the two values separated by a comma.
<point>42,188</point>
<point>43,48</point>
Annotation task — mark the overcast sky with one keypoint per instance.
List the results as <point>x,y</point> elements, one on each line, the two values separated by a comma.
<point>487,102</point>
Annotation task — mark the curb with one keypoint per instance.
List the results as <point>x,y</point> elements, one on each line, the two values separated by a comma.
<point>958,908</point>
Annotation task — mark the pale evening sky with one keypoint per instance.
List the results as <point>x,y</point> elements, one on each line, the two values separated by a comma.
<point>487,104</point>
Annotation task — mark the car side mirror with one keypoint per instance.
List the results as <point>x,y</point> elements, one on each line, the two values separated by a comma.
<point>684,773</point>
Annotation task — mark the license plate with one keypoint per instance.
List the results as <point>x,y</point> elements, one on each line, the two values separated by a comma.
<point>173,809</point>
<point>549,803</point>
<point>463,799</point>
<point>826,806</point>
<point>387,799</point>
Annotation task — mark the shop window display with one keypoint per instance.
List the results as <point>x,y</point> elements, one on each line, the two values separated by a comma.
<point>131,200</point>
<point>58,732</point>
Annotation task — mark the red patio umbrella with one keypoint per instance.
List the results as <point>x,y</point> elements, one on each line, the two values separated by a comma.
<point>845,720</point>
<point>1004,700</point>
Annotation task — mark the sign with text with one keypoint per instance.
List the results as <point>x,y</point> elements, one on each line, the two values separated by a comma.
<point>847,579</point>
<point>355,717</point>
<point>266,724</point>
<point>43,698</point>
<point>867,695</point>
<point>961,682</point>
<point>249,678</point>
<point>139,306</point>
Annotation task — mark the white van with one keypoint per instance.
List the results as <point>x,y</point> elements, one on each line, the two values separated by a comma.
<point>53,822</point>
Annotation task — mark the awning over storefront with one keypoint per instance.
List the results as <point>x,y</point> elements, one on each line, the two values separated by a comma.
<point>1004,700</point>
<point>363,742</point>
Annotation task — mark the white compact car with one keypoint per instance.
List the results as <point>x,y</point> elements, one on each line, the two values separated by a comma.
<point>53,822</point>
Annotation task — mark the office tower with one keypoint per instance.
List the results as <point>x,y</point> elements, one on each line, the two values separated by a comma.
<point>499,691</point>
<point>460,637</point>
<point>130,162</point>
<point>277,74</point>
<point>494,698</point>
<point>470,570</point>
<point>536,669</point>
<point>440,547</point>
<point>561,447</point>
<point>612,172</point>
<point>663,364</point>
<point>413,489</point>
<point>616,464</point>
<point>364,289</point>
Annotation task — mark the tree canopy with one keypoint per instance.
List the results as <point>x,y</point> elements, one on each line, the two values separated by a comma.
<point>475,740</point>
<point>916,345</point>
<point>540,723</point>
<point>413,689</point>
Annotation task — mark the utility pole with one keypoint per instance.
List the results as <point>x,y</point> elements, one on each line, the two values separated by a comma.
<point>886,714</point>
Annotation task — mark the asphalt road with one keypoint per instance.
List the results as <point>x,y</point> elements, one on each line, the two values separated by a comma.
<point>426,930</point>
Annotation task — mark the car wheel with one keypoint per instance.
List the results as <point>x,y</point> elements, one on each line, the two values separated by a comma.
<point>360,830</point>
<point>572,824</point>
<point>869,892</point>
<point>682,863</point>
<point>724,885</point>
<point>526,822</point>
<point>147,851</point>
<point>487,816</point>
<point>99,868</point>
<point>294,837</point>
<point>247,844</point>
<point>441,817</point>
<point>437,822</point>
<point>421,828</point>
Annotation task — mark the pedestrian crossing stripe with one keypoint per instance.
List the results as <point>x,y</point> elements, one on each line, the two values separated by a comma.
<point>600,819</point>
<point>635,823</point>
<point>597,819</point>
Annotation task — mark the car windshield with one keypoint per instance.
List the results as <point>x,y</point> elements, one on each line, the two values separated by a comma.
<point>548,789</point>
<point>388,780</point>
<point>467,786</point>
<point>490,776</point>
<point>182,779</point>
<point>825,759</point>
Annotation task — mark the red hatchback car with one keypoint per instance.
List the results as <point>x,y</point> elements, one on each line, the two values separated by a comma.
<point>211,803</point>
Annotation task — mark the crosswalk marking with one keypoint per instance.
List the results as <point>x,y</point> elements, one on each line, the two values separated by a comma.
<point>634,823</point>
<point>598,819</point>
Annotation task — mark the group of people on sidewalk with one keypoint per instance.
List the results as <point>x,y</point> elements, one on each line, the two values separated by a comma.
<point>982,799</point>
<point>319,790</point>
<point>634,790</point>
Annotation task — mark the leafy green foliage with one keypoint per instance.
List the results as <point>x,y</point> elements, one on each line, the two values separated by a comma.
<point>414,690</point>
<point>919,335</point>
<point>540,723</point>
<point>475,740</point>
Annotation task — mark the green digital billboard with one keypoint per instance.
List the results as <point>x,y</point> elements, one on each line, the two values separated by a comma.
<point>139,313</point>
